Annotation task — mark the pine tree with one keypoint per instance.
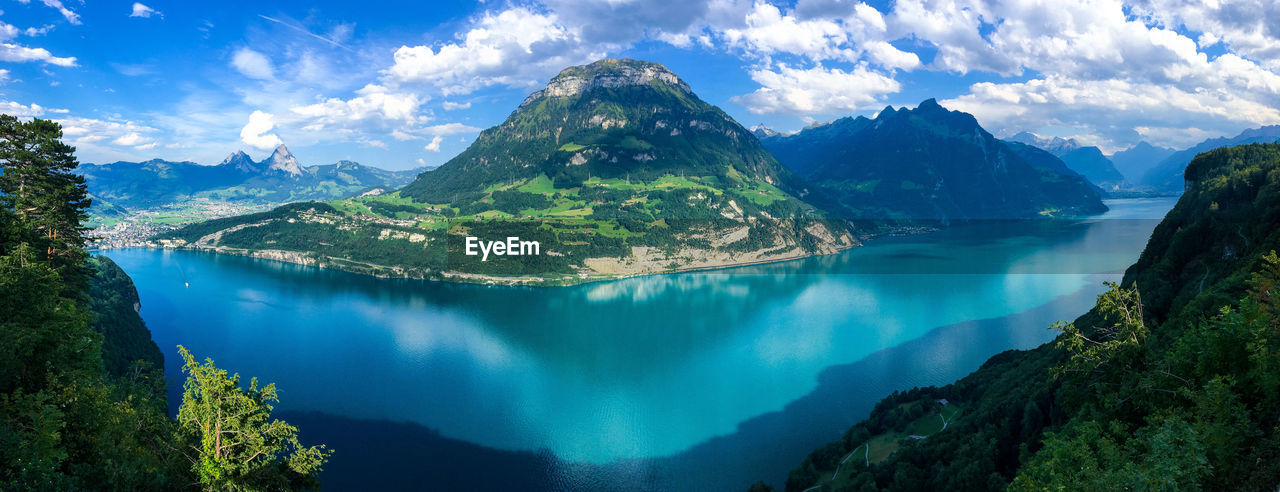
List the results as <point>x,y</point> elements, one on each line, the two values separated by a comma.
<point>46,201</point>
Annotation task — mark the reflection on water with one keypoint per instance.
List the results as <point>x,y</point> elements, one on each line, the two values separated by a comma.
<point>641,368</point>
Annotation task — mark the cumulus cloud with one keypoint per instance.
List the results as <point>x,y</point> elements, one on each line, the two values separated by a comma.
<point>252,64</point>
<point>516,47</point>
<point>1098,69</point>
<point>106,137</point>
<point>128,139</point>
<point>256,132</point>
<point>1248,27</point>
<point>434,146</point>
<point>816,90</point>
<point>13,108</point>
<point>858,34</point>
<point>143,11</point>
<point>375,107</point>
<point>16,53</point>
<point>1117,112</point>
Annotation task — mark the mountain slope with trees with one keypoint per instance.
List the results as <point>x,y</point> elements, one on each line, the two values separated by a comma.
<point>1167,175</point>
<point>1171,382</point>
<point>616,168</point>
<point>929,163</point>
<point>82,399</point>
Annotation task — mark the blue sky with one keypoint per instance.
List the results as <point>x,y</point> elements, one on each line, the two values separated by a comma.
<point>404,84</point>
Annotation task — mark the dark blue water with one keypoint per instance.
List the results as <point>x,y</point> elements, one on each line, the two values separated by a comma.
<point>708,380</point>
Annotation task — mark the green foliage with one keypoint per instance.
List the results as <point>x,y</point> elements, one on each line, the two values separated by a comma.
<point>45,201</point>
<point>194,232</point>
<point>234,443</point>
<point>1174,389</point>
<point>81,387</point>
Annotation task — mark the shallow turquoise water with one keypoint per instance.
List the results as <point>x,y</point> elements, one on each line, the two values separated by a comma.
<point>639,368</point>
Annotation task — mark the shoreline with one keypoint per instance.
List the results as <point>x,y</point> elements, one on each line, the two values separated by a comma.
<point>563,280</point>
<point>374,270</point>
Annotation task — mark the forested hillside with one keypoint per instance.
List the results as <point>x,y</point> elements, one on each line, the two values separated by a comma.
<point>930,163</point>
<point>82,399</point>
<point>1172,382</point>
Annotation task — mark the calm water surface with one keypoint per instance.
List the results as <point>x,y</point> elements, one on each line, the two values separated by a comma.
<point>711,379</point>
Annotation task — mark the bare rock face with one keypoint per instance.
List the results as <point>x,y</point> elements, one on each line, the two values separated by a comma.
<point>284,161</point>
<point>606,73</point>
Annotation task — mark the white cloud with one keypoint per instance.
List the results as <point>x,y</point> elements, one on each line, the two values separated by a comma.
<point>255,132</point>
<point>16,53</point>
<point>858,35</point>
<point>954,27</point>
<point>107,139</point>
<point>453,106</point>
<point>128,139</point>
<point>12,108</point>
<point>1118,111</point>
<point>37,31</point>
<point>450,129</point>
<point>252,64</point>
<point>1101,67</point>
<point>1248,27</point>
<point>143,11</point>
<point>434,146</point>
<point>402,135</point>
<point>816,90</point>
<point>72,17</point>
<point>4,75</point>
<point>516,47</point>
<point>375,106</point>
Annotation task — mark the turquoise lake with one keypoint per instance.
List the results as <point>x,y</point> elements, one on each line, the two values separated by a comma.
<point>708,380</point>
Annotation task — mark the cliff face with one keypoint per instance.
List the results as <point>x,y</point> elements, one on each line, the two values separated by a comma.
<point>114,307</point>
<point>611,74</point>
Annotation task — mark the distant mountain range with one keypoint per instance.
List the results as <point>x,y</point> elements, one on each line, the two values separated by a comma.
<point>931,163</point>
<point>1134,162</point>
<point>1167,174</point>
<point>1086,160</point>
<point>121,186</point>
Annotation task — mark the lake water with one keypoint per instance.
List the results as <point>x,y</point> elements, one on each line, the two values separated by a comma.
<point>710,380</point>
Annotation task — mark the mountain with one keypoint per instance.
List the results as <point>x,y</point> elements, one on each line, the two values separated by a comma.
<point>1167,176</point>
<point>612,119</point>
<point>805,151</point>
<point>1054,145</point>
<point>240,161</point>
<point>930,163</point>
<point>1095,167</point>
<point>1169,383</point>
<point>279,178</point>
<point>762,132</point>
<point>1086,160</point>
<point>1041,158</point>
<point>616,168</point>
<point>283,161</point>
<point>1134,162</point>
